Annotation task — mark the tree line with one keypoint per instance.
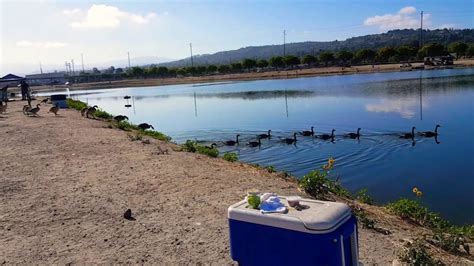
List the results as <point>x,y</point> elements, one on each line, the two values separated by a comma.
<point>343,58</point>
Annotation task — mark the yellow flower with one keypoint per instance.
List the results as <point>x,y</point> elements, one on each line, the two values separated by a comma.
<point>419,194</point>
<point>415,190</point>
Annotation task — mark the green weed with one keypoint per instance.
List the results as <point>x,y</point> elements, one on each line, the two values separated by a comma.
<point>102,114</point>
<point>231,157</point>
<point>363,197</point>
<point>193,146</point>
<point>416,254</point>
<point>75,104</point>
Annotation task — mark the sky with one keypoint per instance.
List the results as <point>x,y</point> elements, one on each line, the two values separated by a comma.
<point>52,32</point>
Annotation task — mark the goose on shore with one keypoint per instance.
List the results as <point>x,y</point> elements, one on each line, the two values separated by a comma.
<point>83,110</point>
<point>54,110</point>
<point>145,126</point>
<point>45,100</point>
<point>26,109</point>
<point>231,142</point>
<point>290,140</point>
<point>308,133</point>
<point>327,136</point>
<point>34,111</point>
<point>409,135</point>
<point>353,135</point>
<point>120,118</point>
<point>91,111</point>
<point>430,134</point>
<point>265,136</point>
<point>255,143</point>
<point>3,108</point>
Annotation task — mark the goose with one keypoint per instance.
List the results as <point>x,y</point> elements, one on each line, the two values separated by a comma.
<point>231,142</point>
<point>290,140</point>
<point>91,111</point>
<point>120,118</point>
<point>265,136</point>
<point>430,134</point>
<point>255,143</point>
<point>353,135</point>
<point>3,108</point>
<point>126,97</point>
<point>308,133</point>
<point>212,146</point>
<point>34,111</point>
<point>409,135</point>
<point>45,100</point>
<point>83,110</point>
<point>327,136</point>
<point>54,110</point>
<point>145,126</point>
<point>26,109</point>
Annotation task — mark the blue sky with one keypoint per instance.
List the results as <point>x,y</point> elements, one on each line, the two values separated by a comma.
<point>52,32</point>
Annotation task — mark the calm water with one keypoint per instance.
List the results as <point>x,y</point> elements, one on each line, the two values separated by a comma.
<point>382,104</point>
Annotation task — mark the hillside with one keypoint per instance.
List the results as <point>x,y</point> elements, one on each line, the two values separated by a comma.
<point>375,41</point>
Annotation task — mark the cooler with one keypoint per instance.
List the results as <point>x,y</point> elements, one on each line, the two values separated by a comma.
<point>322,233</point>
<point>59,100</point>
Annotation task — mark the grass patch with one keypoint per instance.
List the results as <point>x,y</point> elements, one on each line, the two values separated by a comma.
<point>125,125</point>
<point>156,135</point>
<point>231,157</point>
<point>193,146</point>
<point>75,104</point>
<point>271,169</point>
<point>414,211</point>
<point>102,114</point>
<point>363,197</point>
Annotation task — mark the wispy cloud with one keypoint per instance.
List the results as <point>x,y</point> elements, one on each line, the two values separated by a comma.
<point>405,18</point>
<point>105,16</point>
<point>406,107</point>
<point>41,44</point>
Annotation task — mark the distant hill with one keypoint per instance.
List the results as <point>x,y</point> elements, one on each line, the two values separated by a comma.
<point>374,41</point>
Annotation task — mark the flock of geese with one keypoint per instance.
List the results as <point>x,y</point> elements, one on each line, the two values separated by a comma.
<point>29,110</point>
<point>329,137</point>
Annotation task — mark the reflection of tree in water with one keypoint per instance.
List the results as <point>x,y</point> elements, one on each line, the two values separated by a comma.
<point>254,95</point>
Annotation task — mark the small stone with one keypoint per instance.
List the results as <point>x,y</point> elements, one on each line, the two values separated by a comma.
<point>105,240</point>
<point>128,215</point>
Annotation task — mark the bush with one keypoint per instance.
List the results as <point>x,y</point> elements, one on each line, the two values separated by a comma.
<point>75,104</point>
<point>416,254</point>
<point>193,146</point>
<point>102,114</point>
<point>315,183</point>
<point>127,126</point>
<point>363,197</point>
<point>412,210</point>
<point>230,157</point>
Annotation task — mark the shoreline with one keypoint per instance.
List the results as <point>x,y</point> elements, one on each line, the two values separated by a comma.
<point>64,204</point>
<point>310,72</point>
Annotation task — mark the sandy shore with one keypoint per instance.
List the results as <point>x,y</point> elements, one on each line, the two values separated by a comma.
<point>66,182</point>
<point>321,71</point>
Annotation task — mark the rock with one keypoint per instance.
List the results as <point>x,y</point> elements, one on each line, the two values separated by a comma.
<point>128,215</point>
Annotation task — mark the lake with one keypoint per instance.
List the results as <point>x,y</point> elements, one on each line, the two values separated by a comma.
<point>384,105</point>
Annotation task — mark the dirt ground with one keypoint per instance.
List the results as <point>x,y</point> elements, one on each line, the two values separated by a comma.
<point>310,72</point>
<point>66,181</point>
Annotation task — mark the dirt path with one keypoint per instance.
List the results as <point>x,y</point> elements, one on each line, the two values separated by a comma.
<point>66,181</point>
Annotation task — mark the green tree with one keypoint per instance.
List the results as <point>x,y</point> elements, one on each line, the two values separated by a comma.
<point>470,50</point>
<point>309,59</point>
<point>191,70</point>
<point>200,70</point>
<point>136,71</point>
<point>385,53</point>
<point>162,71</point>
<point>211,68</point>
<point>406,52</point>
<point>365,55</point>
<point>432,49</point>
<point>291,60</point>
<point>277,62</point>
<point>344,56</point>
<point>249,63</point>
<point>459,48</point>
<point>181,72</point>
<point>172,72</point>
<point>119,70</point>
<point>326,57</point>
<point>223,69</point>
<point>236,67</point>
<point>262,63</point>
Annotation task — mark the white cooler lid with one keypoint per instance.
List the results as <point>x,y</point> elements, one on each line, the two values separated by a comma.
<point>317,217</point>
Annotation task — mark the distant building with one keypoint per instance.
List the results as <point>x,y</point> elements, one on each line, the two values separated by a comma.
<point>10,80</point>
<point>47,78</point>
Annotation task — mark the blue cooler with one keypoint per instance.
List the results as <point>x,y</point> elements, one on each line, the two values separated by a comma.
<point>322,233</point>
<point>59,100</point>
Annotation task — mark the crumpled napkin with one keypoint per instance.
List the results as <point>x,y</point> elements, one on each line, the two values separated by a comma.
<point>270,203</point>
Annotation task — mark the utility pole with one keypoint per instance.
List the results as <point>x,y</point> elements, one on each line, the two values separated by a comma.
<point>73,69</point>
<point>41,68</point>
<point>191,49</point>
<point>284,43</point>
<point>128,54</point>
<point>421,30</point>
<point>82,61</point>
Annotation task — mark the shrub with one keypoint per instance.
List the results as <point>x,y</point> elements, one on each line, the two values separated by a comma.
<point>231,157</point>
<point>75,104</point>
<point>315,183</point>
<point>363,197</point>
<point>102,114</point>
<point>416,254</point>
<point>412,210</point>
<point>193,146</point>
<point>127,126</point>
<point>271,169</point>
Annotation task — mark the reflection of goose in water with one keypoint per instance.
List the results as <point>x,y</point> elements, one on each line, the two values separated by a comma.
<point>430,134</point>
<point>290,140</point>
<point>353,135</point>
<point>127,97</point>
<point>308,133</point>
<point>409,135</point>
<point>255,143</point>
<point>265,136</point>
<point>327,136</point>
<point>231,142</point>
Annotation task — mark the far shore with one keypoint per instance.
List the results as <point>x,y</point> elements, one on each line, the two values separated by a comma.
<point>309,72</point>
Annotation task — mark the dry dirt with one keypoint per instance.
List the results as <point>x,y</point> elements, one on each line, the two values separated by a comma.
<point>66,181</point>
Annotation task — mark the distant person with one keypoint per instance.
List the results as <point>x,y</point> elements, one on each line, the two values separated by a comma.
<point>24,89</point>
<point>4,94</point>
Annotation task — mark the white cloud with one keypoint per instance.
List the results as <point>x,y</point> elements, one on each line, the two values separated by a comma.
<point>72,12</point>
<point>405,18</point>
<point>104,16</point>
<point>406,107</point>
<point>41,44</point>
